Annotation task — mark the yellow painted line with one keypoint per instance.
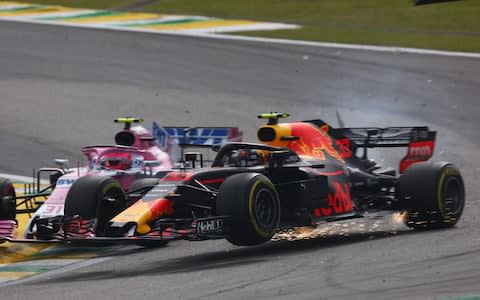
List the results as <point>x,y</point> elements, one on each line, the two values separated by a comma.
<point>69,253</point>
<point>5,3</point>
<point>11,252</point>
<point>9,3</point>
<point>15,275</point>
<point>114,18</point>
<point>22,220</point>
<point>36,11</point>
<point>14,4</point>
<point>199,25</point>
<point>75,256</point>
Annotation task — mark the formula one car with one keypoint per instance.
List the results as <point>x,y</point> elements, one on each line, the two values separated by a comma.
<point>302,173</point>
<point>136,160</point>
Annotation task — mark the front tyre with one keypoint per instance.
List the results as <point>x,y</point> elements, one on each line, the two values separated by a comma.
<point>95,197</point>
<point>253,204</point>
<point>433,195</point>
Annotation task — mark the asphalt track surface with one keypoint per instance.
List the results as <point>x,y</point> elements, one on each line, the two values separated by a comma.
<point>60,89</point>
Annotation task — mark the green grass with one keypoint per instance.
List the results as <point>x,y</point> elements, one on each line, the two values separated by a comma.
<point>451,25</point>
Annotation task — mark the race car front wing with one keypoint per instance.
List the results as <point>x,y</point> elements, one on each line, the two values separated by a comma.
<point>77,231</point>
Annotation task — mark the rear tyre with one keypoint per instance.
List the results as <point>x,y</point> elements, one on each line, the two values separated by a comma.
<point>95,197</point>
<point>7,200</point>
<point>433,195</point>
<point>253,204</point>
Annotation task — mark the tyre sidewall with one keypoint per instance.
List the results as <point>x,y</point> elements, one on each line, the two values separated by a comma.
<point>237,198</point>
<point>449,172</point>
<point>86,198</point>
<point>7,206</point>
<point>261,184</point>
<point>422,190</point>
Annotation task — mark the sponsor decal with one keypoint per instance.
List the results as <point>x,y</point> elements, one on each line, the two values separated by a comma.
<point>209,226</point>
<point>417,152</point>
<point>338,201</point>
<point>420,151</point>
<point>137,161</point>
<point>63,182</point>
<point>194,136</point>
<point>52,209</point>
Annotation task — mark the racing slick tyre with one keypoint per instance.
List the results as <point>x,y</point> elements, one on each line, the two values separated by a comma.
<point>433,195</point>
<point>7,200</point>
<point>95,197</point>
<point>253,204</point>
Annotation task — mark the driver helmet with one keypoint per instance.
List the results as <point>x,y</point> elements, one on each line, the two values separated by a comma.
<point>116,161</point>
<point>249,158</point>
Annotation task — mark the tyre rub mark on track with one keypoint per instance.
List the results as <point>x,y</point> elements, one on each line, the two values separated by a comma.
<point>131,21</point>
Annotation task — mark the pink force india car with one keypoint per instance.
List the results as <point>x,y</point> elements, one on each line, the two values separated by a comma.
<point>138,159</point>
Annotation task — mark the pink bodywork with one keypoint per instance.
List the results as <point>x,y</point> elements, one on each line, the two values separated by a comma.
<point>146,156</point>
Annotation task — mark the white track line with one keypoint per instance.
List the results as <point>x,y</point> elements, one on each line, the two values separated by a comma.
<point>349,46</point>
<point>12,6</point>
<point>263,40</point>
<point>58,14</point>
<point>18,178</point>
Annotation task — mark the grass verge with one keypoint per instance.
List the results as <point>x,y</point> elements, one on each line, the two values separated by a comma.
<point>453,25</point>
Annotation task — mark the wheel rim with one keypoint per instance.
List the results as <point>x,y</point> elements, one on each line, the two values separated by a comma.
<point>265,208</point>
<point>109,209</point>
<point>113,193</point>
<point>453,197</point>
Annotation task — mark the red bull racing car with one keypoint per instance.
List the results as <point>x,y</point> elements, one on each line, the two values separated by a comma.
<point>301,174</point>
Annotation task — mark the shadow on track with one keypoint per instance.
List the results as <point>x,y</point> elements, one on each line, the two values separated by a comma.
<point>221,259</point>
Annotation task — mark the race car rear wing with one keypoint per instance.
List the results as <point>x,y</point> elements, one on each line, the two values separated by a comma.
<point>195,136</point>
<point>419,140</point>
<point>171,139</point>
<point>371,137</point>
